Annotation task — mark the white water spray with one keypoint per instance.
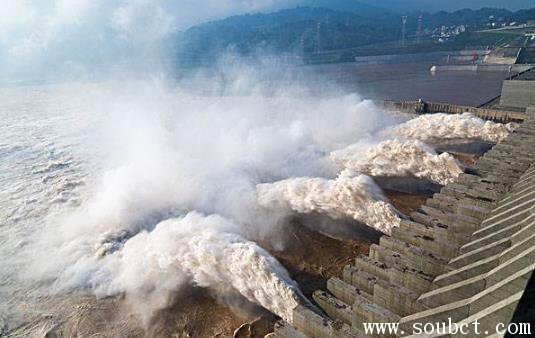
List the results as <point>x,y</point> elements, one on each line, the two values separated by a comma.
<point>439,127</point>
<point>399,158</point>
<point>349,195</point>
<point>179,152</point>
<point>204,250</point>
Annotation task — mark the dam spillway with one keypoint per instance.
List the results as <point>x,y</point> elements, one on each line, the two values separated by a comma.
<point>466,254</point>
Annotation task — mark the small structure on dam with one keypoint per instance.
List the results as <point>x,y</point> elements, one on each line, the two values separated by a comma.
<point>468,254</point>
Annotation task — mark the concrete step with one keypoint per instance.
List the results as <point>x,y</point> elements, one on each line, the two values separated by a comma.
<point>512,199</point>
<point>495,157</point>
<point>465,206</point>
<point>359,278</point>
<point>372,266</point>
<point>396,298</point>
<point>458,192</point>
<point>508,173</point>
<point>519,157</point>
<point>501,246</point>
<point>428,241</point>
<point>456,226</point>
<point>516,206</point>
<point>506,229</point>
<point>413,258</point>
<point>333,307</point>
<point>507,278</point>
<point>344,291</point>
<point>472,257</point>
<point>316,326</point>
<point>511,149</point>
<point>487,264</point>
<point>525,181</point>
<point>409,249</point>
<point>463,309</point>
<point>366,311</point>
<point>450,217</point>
<point>499,312</point>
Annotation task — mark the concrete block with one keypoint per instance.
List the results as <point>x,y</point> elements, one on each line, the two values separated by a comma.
<point>397,299</point>
<point>372,266</point>
<point>359,278</point>
<point>316,326</point>
<point>333,307</point>
<point>365,311</point>
<point>343,291</point>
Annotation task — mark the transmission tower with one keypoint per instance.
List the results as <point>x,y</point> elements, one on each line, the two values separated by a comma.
<point>318,37</point>
<point>403,30</point>
<point>420,32</point>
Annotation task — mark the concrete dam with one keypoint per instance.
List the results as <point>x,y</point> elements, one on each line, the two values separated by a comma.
<point>467,255</point>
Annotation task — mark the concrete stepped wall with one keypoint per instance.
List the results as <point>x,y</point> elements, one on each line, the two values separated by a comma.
<point>467,253</point>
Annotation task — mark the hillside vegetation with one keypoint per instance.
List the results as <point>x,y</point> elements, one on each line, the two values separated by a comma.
<point>306,30</point>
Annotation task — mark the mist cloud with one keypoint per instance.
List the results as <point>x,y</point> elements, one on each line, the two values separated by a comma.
<point>166,152</point>
<point>42,37</point>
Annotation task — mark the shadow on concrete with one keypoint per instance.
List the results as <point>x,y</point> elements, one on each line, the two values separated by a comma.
<point>525,311</point>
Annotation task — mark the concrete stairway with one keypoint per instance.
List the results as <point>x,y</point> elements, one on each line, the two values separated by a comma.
<point>467,254</point>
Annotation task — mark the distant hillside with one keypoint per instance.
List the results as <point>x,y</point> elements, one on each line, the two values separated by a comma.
<point>404,6</point>
<point>293,30</point>
<point>359,6</point>
<point>306,30</point>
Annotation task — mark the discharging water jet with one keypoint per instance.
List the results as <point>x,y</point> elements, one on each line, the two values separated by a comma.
<point>399,158</point>
<point>350,195</point>
<point>441,127</point>
<point>206,251</point>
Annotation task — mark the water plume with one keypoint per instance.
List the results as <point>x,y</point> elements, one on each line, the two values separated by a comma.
<point>439,127</point>
<point>350,195</point>
<point>206,251</point>
<point>399,158</point>
<point>162,150</point>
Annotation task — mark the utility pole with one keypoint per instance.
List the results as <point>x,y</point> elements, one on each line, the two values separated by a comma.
<point>403,30</point>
